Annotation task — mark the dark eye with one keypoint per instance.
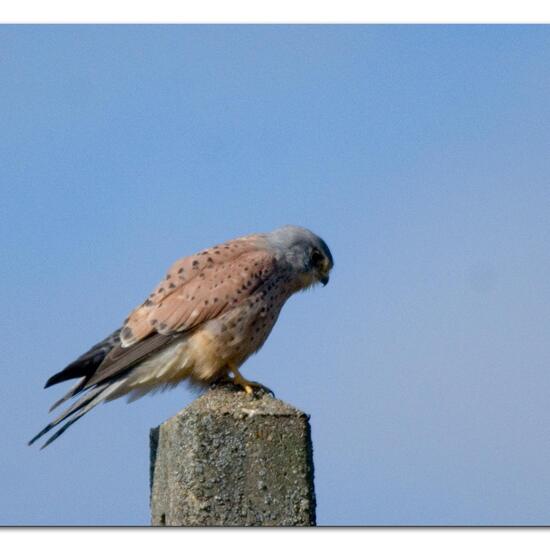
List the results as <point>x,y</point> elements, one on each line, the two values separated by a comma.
<point>316,257</point>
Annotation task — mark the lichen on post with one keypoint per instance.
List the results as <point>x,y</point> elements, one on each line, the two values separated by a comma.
<point>235,459</point>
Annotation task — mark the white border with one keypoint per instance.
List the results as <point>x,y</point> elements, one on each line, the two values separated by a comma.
<point>272,11</point>
<point>237,539</point>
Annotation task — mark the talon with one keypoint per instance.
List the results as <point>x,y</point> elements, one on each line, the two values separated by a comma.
<point>248,385</point>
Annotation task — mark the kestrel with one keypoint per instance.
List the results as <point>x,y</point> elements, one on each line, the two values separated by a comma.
<point>201,323</point>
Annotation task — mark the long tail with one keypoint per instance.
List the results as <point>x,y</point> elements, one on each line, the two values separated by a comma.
<point>86,365</point>
<point>84,368</point>
<point>85,404</point>
<point>105,373</point>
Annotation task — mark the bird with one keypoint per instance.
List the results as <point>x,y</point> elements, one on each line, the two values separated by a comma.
<point>206,317</point>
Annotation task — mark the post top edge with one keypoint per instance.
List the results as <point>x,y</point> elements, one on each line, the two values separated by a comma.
<point>226,399</point>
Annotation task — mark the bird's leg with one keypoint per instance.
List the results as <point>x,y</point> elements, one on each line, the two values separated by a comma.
<point>247,385</point>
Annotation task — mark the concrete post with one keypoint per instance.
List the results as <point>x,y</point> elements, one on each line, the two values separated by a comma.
<point>233,459</point>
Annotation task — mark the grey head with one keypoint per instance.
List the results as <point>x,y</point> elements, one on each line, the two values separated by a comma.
<point>306,253</point>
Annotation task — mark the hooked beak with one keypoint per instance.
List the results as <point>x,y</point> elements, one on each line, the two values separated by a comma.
<point>324,280</point>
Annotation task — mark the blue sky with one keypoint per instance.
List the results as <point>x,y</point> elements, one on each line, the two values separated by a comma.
<point>420,154</point>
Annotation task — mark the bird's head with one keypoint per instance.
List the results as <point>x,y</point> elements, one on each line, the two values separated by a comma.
<point>306,253</point>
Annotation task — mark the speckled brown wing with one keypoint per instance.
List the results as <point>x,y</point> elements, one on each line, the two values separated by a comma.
<point>121,359</point>
<point>201,291</point>
<point>199,288</point>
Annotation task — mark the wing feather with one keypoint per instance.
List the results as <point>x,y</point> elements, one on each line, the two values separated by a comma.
<point>182,273</point>
<point>221,278</point>
<point>121,359</point>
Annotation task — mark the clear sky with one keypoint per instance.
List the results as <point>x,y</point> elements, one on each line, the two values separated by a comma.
<point>420,154</point>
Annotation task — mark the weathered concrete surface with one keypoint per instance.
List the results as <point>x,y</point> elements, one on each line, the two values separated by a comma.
<point>233,459</point>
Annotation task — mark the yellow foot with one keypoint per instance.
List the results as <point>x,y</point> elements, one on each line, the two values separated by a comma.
<point>249,386</point>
